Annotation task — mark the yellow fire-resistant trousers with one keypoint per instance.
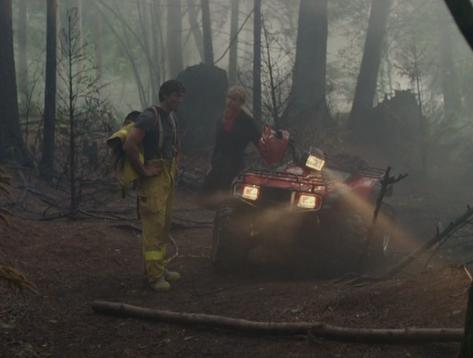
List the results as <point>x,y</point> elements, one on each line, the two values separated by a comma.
<point>156,196</point>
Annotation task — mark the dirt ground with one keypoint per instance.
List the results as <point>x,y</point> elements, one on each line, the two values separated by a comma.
<point>74,263</point>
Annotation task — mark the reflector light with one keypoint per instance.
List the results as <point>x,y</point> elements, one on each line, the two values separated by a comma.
<point>307,201</point>
<point>250,192</point>
<point>315,163</point>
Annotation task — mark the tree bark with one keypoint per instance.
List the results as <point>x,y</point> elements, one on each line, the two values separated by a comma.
<point>467,343</point>
<point>49,129</point>
<point>257,60</point>
<point>207,33</point>
<point>71,58</point>
<point>12,145</point>
<point>309,77</point>
<point>195,28</point>
<point>232,60</point>
<point>174,37</point>
<point>367,78</point>
<point>22,52</point>
<point>313,329</point>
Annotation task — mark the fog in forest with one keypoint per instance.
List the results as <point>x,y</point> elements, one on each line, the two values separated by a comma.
<point>128,47</point>
<point>360,115</point>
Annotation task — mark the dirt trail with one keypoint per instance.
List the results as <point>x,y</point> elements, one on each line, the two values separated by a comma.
<point>74,263</point>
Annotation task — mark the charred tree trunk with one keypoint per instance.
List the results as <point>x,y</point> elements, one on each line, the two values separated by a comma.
<point>22,56</point>
<point>12,145</point>
<point>467,343</point>
<point>207,33</point>
<point>257,61</point>
<point>49,129</point>
<point>72,96</point>
<point>174,37</point>
<point>195,28</point>
<point>308,87</point>
<point>232,63</point>
<point>367,78</point>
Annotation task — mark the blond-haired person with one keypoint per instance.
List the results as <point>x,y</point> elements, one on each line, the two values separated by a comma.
<point>234,132</point>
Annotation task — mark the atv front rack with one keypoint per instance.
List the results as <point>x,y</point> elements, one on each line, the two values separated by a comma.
<point>283,180</point>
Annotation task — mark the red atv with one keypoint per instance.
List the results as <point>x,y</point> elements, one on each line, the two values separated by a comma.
<point>313,212</point>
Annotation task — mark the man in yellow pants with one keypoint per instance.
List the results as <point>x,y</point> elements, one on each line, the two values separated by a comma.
<point>155,134</point>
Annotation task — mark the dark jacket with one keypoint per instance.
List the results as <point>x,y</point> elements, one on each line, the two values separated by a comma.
<point>229,150</point>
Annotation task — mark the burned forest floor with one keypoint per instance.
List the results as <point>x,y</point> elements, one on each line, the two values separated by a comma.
<point>98,257</point>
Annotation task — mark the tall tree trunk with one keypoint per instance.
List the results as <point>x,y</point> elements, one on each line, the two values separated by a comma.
<point>450,88</point>
<point>98,47</point>
<point>146,24</point>
<point>74,201</point>
<point>207,33</point>
<point>47,159</point>
<point>174,37</point>
<point>367,78</point>
<point>156,38</point>
<point>232,62</point>
<point>12,145</point>
<point>307,98</point>
<point>155,45</point>
<point>195,28</point>
<point>22,56</point>
<point>80,25</point>
<point>257,60</point>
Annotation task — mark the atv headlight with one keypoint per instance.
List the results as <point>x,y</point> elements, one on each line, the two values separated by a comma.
<point>314,163</point>
<point>250,192</point>
<point>307,201</point>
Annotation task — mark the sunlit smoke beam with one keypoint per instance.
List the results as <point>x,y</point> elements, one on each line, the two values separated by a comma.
<point>405,239</point>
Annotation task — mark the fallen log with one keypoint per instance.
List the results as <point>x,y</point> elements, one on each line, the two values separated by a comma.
<point>312,329</point>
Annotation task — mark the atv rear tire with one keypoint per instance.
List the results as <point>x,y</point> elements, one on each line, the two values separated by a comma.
<point>230,241</point>
<point>384,235</point>
<point>354,253</point>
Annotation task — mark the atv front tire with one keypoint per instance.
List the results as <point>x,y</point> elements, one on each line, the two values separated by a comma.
<point>230,241</point>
